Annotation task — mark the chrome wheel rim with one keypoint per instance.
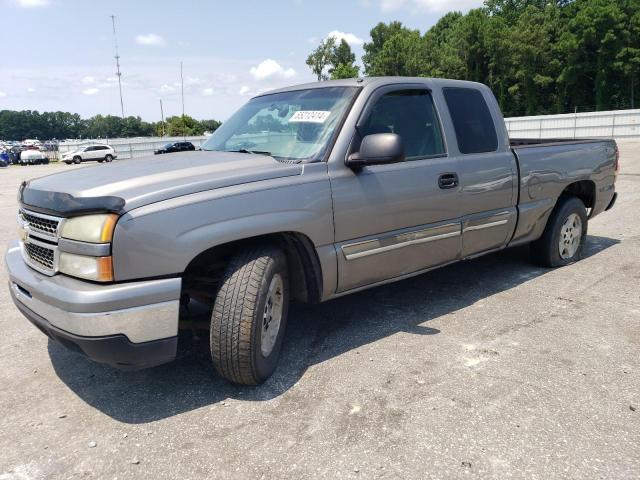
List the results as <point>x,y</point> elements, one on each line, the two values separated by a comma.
<point>570,236</point>
<point>272,315</point>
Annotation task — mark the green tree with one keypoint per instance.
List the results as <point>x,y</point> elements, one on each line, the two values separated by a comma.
<point>343,62</point>
<point>209,125</point>
<point>320,59</point>
<point>379,36</point>
<point>179,126</point>
<point>401,53</point>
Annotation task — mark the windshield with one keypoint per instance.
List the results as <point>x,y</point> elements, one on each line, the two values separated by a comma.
<point>167,145</point>
<point>291,126</point>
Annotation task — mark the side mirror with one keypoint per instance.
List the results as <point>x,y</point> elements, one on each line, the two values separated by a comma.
<point>377,149</point>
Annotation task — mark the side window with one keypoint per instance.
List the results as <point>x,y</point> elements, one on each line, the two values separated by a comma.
<point>412,115</point>
<point>472,120</point>
<point>89,149</point>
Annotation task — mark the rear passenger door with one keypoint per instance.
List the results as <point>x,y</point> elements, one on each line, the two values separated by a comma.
<point>89,153</point>
<point>487,170</point>
<point>396,219</point>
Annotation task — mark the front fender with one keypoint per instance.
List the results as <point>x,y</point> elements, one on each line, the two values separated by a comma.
<point>162,238</point>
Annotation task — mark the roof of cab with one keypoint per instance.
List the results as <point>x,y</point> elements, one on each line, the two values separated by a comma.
<point>376,82</point>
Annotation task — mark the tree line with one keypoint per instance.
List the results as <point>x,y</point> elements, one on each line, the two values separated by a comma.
<point>538,56</point>
<point>20,125</point>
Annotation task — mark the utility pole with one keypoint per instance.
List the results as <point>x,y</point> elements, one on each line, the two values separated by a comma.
<point>117,57</point>
<point>184,131</point>
<point>162,117</point>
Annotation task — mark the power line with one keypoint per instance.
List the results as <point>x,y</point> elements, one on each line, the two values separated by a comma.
<point>117,57</point>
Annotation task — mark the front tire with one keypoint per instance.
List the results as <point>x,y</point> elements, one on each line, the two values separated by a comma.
<point>562,242</point>
<point>77,160</point>
<point>250,315</point>
<point>108,158</point>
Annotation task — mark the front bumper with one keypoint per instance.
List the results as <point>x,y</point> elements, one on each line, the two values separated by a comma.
<point>127,325</point>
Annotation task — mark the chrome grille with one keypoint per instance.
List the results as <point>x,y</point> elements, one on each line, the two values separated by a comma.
<point>39,243</point>
<point>43,224</point>
<point>41,256</point>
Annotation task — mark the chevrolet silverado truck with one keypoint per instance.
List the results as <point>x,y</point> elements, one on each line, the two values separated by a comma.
<point>305,194</point>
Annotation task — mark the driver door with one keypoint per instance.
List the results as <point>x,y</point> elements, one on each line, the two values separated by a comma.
<point>397,219</point>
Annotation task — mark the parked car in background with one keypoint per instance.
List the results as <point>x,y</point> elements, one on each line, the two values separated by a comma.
<point>100,153</point>
<point>32,156</point>
<point>30,142</point>
<point>175,147</point>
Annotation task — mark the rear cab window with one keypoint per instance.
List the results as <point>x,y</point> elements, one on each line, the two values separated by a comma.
<point>472,120</point>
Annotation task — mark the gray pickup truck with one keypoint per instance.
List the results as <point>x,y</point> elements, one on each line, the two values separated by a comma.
<point>305,194</point>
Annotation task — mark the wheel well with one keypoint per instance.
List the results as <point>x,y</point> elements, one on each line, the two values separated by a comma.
<point>202,275</point>
<point>585,190</point>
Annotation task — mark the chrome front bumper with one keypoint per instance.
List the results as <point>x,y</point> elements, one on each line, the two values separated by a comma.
<point>142,311</point>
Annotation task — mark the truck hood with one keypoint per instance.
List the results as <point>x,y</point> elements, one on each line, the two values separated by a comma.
<point>129,184</point>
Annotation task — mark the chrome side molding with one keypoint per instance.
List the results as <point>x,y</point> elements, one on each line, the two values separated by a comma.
<point>391,242</point>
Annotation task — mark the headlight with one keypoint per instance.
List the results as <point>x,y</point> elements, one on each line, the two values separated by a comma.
<point>99,269</point>
<point>90,228</point>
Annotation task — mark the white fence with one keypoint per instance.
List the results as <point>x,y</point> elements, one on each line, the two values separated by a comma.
<point>617,124</point>
<point>130,147</point>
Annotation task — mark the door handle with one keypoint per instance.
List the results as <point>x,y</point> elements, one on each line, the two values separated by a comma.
<point>448,180</point>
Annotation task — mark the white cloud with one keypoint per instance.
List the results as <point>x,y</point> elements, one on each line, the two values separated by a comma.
<point>245,90</point>
<point>207,92</point>
<point>32,3</point>
<point>31,89</point>
<point>271,69</point>
<point>166,88</point>
<point>433,6</point>
<point>90,91</point>
<point>350,38</point>
<point>2,94</point>
<point>150,39</point>
<point>88,80</point>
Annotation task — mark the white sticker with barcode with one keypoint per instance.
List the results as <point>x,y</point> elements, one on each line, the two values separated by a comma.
<point>310,116</point>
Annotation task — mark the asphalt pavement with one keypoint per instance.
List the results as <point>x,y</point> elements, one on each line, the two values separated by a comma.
<point>491,368</point>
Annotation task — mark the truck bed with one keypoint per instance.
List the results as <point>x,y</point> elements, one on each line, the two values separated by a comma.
<point>547,166</point>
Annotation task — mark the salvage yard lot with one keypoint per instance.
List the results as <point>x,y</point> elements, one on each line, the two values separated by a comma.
<point>491,368</point>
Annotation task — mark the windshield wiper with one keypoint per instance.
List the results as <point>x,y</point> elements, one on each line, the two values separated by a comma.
<point>244,150</point>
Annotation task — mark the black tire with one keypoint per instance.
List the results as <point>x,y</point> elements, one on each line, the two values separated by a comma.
<point>546,250</point>
<point>240,310</point>
<point>77,160</point>
<point>68,162</point>
<point>108,158</point>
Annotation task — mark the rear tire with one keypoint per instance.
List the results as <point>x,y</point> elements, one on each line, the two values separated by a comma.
<point>250,315</point>
<point>562,242</point>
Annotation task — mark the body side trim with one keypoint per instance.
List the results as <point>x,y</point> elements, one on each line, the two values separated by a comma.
<point>392,242</point>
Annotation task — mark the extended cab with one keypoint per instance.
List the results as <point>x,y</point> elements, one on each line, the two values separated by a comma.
<point>306,193</point>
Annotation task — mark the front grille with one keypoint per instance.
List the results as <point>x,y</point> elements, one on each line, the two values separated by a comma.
<point>42,257</point>
<point>38,224</point>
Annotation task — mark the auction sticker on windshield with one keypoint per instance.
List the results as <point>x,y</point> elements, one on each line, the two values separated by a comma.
<point>309,116</point>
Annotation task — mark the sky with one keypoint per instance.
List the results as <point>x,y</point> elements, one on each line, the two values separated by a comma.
<point>58,54</point>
